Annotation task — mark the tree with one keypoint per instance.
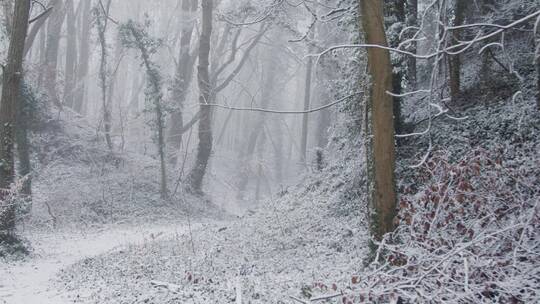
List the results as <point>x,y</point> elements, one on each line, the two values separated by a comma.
<point>25,113</point>
<point>70,80</point>
<point>84,56</point>
<point>134,35</point>
<point>537,60</point>
<point>204,149</point>
<point>210,84</point>
<point>307,101</point>
<point>183,77</point>
<point>380,133</point>
<point>454,62</point>
<point>54,28</point>
<point>38,24</point>
<point>412,21</point>
<point>11,84</point>
<point>101,13</point>
<point>256,136</point>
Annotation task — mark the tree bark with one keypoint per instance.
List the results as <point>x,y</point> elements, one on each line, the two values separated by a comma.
<point>204,149</point>
<point>380,133</point>
<point>11,84</point>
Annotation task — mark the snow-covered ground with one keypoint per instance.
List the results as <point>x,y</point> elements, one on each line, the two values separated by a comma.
<point>31,281</point>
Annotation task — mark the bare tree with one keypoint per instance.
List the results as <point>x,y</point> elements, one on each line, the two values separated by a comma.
<point>101,12</point>
<point>454,62</point>
<point>84,55</point>
<point>183,77</point>
<point>70,80</point>
<point>205,123</point>
<point>11,84</point>
<point>307,103</point>
<point>50,72</point>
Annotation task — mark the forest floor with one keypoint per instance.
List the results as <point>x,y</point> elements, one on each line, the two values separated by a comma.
<point>31,280</point>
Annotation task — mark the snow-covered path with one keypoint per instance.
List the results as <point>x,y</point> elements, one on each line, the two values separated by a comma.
<point>31,281</point>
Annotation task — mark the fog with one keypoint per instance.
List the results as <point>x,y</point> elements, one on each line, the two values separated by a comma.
<point>257,60</point>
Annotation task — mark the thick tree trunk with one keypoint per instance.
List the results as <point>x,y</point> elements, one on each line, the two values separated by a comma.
<point>50,71</point>
<point>11,83</point>
<point>454,61</point>
<point>183,78</point>
<point>204,150</point>
<point>380,133</point>
<point>71,55</point>
<point>84,56</point>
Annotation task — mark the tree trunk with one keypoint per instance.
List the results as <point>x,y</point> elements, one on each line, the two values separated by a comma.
<point>84,57</point>
<point>204,149</point>
<point>257,136</point>
<point>454,61</point>
<point>380,133</point>
<point>183,78</point>
<point>71,55</point>
<point>412,20</point>
<point>24,116</point>
<point>32,34</point>
<point>7,6</point>
<point>538,74</point>
<point>305,116</point>
<point>155,95</point>
<point>538,82</point>
<point>102,22</point>
<point>11,83</point>
<point>54,29</point>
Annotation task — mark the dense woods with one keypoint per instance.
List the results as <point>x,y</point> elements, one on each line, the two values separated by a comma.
<point>269,151</point>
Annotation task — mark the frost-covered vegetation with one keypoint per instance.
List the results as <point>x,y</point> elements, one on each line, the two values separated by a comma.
<point>264,151</point>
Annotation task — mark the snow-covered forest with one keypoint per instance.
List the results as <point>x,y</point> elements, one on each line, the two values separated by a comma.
<point>269,151</point>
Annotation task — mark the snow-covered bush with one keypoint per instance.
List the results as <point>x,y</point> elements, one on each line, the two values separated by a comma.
<point>469,234</point>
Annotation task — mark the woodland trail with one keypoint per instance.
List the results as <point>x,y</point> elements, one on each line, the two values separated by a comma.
<point>31,281</point>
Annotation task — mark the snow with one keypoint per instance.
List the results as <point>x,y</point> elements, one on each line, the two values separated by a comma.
<point>297,245</point>
<point>30,280</point>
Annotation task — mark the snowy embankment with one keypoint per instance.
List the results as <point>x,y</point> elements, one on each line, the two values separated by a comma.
<point>32,280</point>
<point>299,245</point>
